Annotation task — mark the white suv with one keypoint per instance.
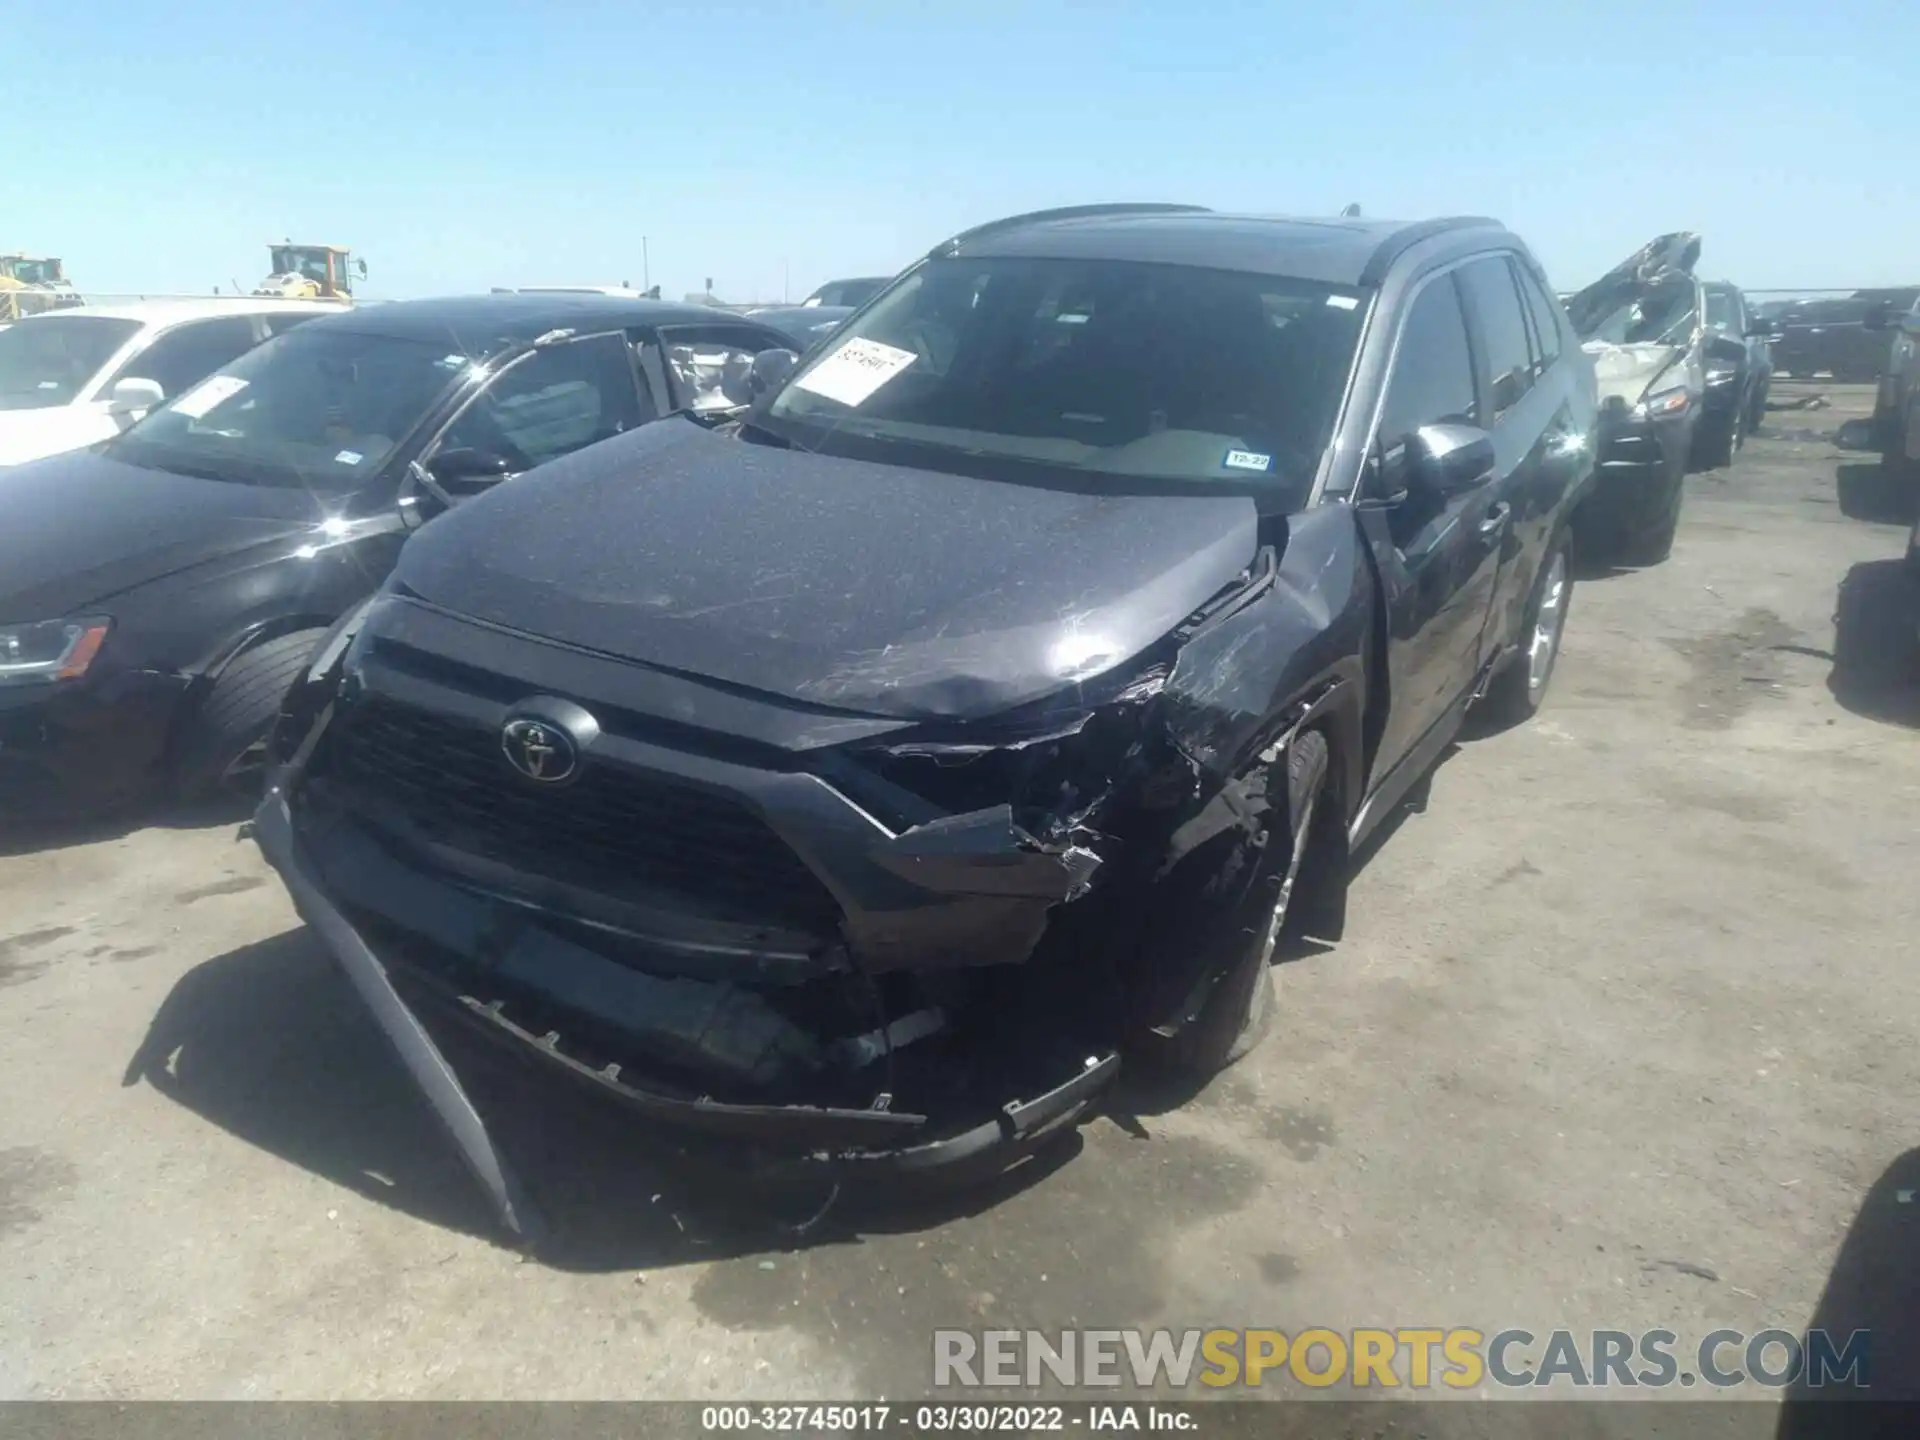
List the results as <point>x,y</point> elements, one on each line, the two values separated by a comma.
<point>71,378</point>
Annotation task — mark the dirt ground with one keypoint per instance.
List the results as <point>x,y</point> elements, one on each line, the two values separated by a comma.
<point>1622,1036</point>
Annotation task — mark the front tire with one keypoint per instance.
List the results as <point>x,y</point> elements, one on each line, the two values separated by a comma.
<point>1238,1012</point>
<point>1520,687</point>
<point>1723,439</point>
<point>229,728</point>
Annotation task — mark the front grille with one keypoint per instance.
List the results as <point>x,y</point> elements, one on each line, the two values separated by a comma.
<point>615,831</point>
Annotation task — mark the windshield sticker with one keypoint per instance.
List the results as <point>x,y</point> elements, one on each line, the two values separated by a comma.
<point>1343,302</point>
<point>348,457</point>
<point>1247,460</point>
<point>207,394</point>
<point>48,385</point>
<point>451,362</point>
<point>854,371</point>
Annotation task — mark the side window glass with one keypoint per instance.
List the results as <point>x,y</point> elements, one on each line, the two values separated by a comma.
<point>1546,320</point>
<point>1488,285</point>
<point>551,403</point>
<point>185,355</point>
<point>707,367</point>
<point>1432,379</point>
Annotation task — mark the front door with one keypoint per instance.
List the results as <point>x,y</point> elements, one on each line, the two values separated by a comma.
<point>1437,559</point>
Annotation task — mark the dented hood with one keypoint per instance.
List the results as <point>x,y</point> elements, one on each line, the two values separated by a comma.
<point>1657,260</point>
<point>873,588</point>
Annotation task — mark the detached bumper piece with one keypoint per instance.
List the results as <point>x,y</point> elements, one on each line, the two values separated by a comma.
<point>679,1042</point>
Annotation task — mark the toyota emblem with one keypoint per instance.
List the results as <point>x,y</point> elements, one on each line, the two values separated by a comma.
<point>540,750</point>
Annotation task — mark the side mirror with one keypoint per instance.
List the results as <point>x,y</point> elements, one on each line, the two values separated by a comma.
<point>361,266</point>
<point>770,370</point>
<point>134,394</point>
<point>1724,347</point>
<point>464,466</point>
<point>1448,460</point>
<point>1879,316</point>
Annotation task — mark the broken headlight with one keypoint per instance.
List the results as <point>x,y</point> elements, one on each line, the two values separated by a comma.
<point>1673,400</point>
<point>51,650</point>
<point>1056,756</point>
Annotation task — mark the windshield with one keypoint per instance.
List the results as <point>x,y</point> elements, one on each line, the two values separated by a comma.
<point>320,408</point>
<point>1114,368</point>
<point>292,261</point>
<point>37,272</point>
<point>1723,311</point>
<point>49,360</point>
<point>1661,313</point>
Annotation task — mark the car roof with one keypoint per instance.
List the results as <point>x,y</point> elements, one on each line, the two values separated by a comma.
<point>1344,250</point>
<point>173,311</point>
<point>485,324</point>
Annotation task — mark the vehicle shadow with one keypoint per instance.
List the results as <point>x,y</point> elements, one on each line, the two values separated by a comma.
<point>21,836</point>
<point>1871,1288</point>
<point>269,1043</point>
<point>1867,492</point>
<point>1876,643</point>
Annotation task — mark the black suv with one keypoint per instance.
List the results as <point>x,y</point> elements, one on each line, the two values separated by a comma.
<point>856,787</point>
<point>1738,375</point>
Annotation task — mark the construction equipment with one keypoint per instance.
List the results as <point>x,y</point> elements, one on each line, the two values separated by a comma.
<point>31,284</point>
<point>310,272</point>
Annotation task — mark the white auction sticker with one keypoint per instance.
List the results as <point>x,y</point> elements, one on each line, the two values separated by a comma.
<point>207,394</point>
<point>854,371</point>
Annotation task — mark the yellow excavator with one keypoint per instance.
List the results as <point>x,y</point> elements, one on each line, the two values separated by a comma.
<point>311,272</point>
<point>30,284</point>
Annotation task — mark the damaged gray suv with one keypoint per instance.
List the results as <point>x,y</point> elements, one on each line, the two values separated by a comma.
<point>854,789</point>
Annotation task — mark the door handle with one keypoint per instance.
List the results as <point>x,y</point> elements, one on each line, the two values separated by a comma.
<point>1496,518</point>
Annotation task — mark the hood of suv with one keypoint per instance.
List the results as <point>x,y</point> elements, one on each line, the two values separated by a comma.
<point>873,588</point>
<point>76,529</point>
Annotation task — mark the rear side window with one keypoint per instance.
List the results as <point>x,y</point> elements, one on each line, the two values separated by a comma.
<point>1488,285</point>
<point>1546,326</point>
<point>1432,379</point>
<point>552,403</point>
<point>186,354</point>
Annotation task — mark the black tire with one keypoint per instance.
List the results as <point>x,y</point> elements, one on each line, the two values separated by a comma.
<point>236,713</point>
<point>1514,696</point>
<point>1722,438</point>
<point>1238,1011</point>
<point>1654,543</point>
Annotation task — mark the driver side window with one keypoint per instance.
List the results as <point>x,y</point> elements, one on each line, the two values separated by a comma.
<point>551,403</point>
<point>1431,382</point>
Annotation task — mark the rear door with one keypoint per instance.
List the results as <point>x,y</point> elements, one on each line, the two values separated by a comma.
<point>1531,411</point>
<point>1437,560</point>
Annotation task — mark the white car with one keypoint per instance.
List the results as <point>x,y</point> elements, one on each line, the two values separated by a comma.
<point>71,378</point>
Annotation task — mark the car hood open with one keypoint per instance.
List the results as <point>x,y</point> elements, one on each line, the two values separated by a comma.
<point>77,529</point>
<point>872,588</point>
<point>1656,261</point>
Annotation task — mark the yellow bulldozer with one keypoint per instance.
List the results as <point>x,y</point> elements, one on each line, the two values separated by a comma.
<point>311,272</point>
<point>30,284</point>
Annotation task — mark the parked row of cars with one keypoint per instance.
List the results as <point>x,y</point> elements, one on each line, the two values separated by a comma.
<point>846,748</point>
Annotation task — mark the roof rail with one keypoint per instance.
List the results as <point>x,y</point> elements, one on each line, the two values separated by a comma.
<point>1072,212</point>
<point>1401,241</point>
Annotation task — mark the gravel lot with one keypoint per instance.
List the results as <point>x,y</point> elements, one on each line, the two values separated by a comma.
<point>1636,985</point>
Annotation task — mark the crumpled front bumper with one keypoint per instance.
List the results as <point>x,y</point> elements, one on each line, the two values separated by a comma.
<point>836,1143</point>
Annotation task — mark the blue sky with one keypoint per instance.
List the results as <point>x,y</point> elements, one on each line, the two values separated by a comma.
<point>458,145</point>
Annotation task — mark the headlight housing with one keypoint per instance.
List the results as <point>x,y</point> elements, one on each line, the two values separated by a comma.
<point>50,650</point>
<point>1673,400</point>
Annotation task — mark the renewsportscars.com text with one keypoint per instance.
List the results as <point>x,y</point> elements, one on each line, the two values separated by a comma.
<point>1404,1358</point>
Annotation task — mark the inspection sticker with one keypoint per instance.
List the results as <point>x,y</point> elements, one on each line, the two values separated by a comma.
<point>854,371</point>
<point>207,394</point>
<point>348,457</point>
<point>1343,302</point>
<point>1247,460</point>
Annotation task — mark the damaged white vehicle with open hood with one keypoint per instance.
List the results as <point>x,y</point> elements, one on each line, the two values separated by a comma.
<point>1643,324</point>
